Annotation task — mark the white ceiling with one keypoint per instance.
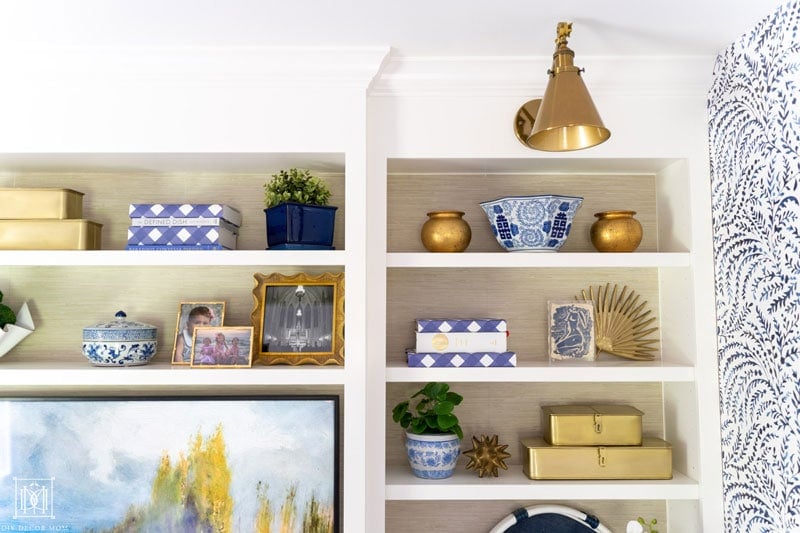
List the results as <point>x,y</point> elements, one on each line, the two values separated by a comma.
<point>410,27</point>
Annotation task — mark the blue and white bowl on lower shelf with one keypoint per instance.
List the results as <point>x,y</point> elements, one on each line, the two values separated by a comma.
<point>120,342</point>
<point>537,223</point>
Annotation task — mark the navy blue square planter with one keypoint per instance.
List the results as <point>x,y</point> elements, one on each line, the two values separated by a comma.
<point>293,226</point>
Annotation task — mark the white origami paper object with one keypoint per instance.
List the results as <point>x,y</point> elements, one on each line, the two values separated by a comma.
<point>12,334</point>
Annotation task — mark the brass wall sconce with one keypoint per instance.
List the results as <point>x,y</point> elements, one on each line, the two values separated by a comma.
<point>565,118</point>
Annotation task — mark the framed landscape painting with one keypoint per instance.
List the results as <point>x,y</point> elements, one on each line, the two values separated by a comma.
<point>176,464</point>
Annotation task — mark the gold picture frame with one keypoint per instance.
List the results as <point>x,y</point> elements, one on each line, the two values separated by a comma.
<point>191,315</point>
<point>299,319</point>
<point>222,347</point>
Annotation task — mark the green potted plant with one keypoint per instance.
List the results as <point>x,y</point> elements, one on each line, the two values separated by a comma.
<point>7,315</point>
<point>297,213</point>
<point>433,431</point>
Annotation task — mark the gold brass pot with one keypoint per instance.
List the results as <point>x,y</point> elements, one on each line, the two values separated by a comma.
<point>446,231</point>
<point>616,231</point>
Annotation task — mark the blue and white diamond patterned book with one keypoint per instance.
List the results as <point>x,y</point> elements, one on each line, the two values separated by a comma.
<point>181,236</point>
<point>458,325</point>
<point>461,360</point>
<point>571,331</point>
<point>460,343</point>
<point>167,211</point>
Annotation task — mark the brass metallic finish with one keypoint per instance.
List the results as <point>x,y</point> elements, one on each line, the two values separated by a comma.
<point>486,455</point>
<point>523,122</point>
<point>592,425</point>
<point>43,234</point>
<point>330,354</point>
<point>446,231</point>
<point>439,342</point>
<point>567,118</point>
<point>22,203</point>
<point>621,323</point>
<point>616,231</point>
<point>651,460</point>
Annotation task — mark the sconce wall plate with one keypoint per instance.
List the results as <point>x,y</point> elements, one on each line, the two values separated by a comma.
<point>565,119</point>
<point>526,116</point>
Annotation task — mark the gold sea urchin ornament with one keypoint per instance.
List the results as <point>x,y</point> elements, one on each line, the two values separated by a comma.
<point>486,456</point>
<point>621,323</point>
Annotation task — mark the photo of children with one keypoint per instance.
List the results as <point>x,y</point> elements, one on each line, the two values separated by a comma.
<point>222,346</point>
<point>190,316</point>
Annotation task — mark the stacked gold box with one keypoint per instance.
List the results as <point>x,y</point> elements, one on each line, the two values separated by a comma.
<point>595,442</point>
<point>45,219</point>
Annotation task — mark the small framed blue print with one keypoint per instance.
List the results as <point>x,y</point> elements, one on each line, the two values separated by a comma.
<point>571,331</point>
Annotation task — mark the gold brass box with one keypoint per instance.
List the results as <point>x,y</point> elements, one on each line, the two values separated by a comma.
<point>592,425</point>
<point>44,234</point>
<point>20,203</point>
<point>651,460</point>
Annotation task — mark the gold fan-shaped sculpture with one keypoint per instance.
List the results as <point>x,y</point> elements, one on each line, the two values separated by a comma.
<point>621,323</point>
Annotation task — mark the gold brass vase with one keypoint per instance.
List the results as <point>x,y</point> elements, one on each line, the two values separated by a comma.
<point>446,231</point>
<point>616,231</point>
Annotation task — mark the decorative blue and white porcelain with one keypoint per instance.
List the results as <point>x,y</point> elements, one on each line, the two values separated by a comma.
<point>120,342</point>
<point>538,223</point>
<point>433,456</point>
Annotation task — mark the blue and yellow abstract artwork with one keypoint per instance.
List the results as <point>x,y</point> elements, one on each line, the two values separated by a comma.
<point>179,464</point>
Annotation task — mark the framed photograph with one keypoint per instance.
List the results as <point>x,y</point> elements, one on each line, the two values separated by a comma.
<point>220,464</point>
<point>299,319</point>
<point>214,347</point>
<point>190,316</point>
<point>571,331</point>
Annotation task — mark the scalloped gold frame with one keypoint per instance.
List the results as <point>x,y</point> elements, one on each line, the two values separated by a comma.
<point>262,284</point>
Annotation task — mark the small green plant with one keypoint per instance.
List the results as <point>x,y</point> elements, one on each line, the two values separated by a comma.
<point>7,316</point>
<point>649,527</point>
<point>296,185</point>
<point>432,413</point>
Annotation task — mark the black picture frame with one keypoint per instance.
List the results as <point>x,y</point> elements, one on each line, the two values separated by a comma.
<point>148,457</point>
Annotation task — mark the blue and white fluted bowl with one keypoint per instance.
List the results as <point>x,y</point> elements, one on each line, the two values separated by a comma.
<point>120,342</point>
<point>537,223</point>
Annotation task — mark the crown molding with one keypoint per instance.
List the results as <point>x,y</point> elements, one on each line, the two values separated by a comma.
<point>527,75</point>
<point>290,67</point>
<point>373,69</point>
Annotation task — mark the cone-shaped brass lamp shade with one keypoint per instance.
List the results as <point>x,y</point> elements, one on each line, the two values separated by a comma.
<point>567,118</point>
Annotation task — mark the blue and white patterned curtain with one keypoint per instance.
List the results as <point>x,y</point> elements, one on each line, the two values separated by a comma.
<point>754,112</point>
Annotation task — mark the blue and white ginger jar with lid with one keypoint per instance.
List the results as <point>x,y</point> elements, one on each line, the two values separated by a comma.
<point>120,342</point>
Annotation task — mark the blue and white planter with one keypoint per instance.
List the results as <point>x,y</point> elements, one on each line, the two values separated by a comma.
<point>433,456</point>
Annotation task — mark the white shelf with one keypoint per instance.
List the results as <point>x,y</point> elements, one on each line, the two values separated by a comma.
<point>539,260</point>
<point>171,258</point>
<point>598,371</point>
<point>512,484</point>
<point>18,375</point>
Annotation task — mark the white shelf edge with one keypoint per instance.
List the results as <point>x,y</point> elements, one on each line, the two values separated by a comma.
<point>512,484</point>
<point>19,375</point>
<point>543,260</point>
<point>600,371</point>
<point>170,258</point>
